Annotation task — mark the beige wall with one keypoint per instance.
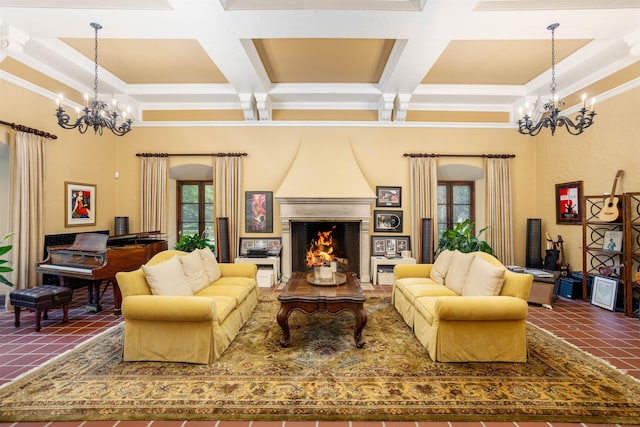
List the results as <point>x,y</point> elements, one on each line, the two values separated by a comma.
<point>540,162</point>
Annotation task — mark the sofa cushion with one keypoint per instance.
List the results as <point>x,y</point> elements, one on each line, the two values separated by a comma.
<point>426,306</point>
<point>167,278</point>
<point>210,264</point>
<point>193,267</point>
<point>441,266</point>
<point>484,279</point>
<point>238,293</point>
<point>411,292</point>
<point>458,271</point>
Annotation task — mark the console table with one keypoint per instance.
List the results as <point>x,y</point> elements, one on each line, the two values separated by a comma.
<point>273,261</point>
<point>379,261</point>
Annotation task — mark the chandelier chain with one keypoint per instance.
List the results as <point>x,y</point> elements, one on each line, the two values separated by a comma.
<point>95,79</point>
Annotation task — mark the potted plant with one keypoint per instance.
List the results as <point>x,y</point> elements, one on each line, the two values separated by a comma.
<point>5,248</point>
<point>191,242</point>
<point>461,238</point>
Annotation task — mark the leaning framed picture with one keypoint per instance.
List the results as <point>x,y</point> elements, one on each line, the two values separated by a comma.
<point>387,221</point>
<point>258,211</point>
<point>605,290</point>
<point>568,209</point>
<point>80,204</point>
<point>389,197</point>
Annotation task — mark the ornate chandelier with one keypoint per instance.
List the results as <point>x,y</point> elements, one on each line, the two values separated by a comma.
<point>96,114</point>
<point>553,117</point>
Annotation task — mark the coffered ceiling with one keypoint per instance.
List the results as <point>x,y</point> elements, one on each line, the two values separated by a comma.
<point>395,61</point>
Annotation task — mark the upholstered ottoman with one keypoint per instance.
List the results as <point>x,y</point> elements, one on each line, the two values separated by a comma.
<point>41,299</point>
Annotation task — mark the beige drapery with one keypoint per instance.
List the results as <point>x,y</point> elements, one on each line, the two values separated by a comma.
<point>28,158</point>
<point>154,186</point>
<point>227,171</point>
<point>424,200</point>
<point>499,208</point>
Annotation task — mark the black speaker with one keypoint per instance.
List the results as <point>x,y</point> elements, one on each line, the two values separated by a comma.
<point>427,242</point>
<point>534,243</point>
<point>222,240</point>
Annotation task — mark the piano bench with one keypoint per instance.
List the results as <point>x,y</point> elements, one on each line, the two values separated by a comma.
<point>41,299</point>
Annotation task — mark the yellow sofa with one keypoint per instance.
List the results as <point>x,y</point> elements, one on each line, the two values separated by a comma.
<point>478,315</point>
<point>194,328</point>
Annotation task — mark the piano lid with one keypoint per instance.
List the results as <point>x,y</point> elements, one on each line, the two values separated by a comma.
<point>90,242</point>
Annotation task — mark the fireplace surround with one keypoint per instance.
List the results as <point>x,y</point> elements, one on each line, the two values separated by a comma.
<point>326,210</point>
<point>325,183</point>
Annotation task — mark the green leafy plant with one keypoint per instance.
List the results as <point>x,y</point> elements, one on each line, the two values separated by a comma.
<point>461,238</point>
<point>191,242</point>
<point>5,248</point>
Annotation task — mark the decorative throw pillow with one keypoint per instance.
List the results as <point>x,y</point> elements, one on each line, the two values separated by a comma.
<point>484,279</point>
<point>440,266</point>
<point>210,264</point>
<point>167,278</point>
<point>457,272</point>
<point>194,269</point>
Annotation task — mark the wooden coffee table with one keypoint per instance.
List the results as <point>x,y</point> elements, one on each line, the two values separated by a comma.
<point>308,298</point>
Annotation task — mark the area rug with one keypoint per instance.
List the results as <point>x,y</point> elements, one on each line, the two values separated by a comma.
<point>323,376</point>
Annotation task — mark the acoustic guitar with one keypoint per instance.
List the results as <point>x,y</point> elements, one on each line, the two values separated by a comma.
<point>610,211</point>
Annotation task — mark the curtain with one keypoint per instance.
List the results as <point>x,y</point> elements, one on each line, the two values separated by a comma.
<point>154,193</point>
<point>424,200</point>
<point>226,174</point>
<point>28,158</point>
<point>499,208</point>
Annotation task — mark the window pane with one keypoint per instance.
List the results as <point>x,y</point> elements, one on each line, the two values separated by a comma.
<point>441,229</point>
<point>208,194</point>
<point>461,194</point>
<point>189,193</point>
<point>208,213</point>
<point>461,213</point>
<point>189,228</point>
<point>190,213</point>
<point>442,194</point>
<point>442,214</point>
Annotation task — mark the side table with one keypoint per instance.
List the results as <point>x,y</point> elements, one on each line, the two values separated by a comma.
<point>273,261</point>
<point>379,261</point>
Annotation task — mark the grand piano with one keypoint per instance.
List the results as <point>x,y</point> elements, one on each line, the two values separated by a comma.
<point>93,259</point>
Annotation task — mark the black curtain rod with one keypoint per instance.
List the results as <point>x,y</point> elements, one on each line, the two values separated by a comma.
<point>191,155</point>
<point>490,156</point>
<point>27,129</point>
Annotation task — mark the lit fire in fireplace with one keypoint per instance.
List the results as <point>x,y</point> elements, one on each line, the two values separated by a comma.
<point>321,249</point>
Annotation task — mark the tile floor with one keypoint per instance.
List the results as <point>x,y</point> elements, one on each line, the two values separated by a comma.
<point>610,336</point>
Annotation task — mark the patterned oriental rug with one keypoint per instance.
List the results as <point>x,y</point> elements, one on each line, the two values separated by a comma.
<point>323,376</point>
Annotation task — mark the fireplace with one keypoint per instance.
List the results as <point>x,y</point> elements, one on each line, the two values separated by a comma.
<point>325,185</point>
<point>319,243</point>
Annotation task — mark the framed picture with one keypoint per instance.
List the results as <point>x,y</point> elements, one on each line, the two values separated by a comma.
<point>605,290</point>
<point>273,245</point>
<point>80,204</point>
<point>388,196</point>
<point>382,245</point>
<point>389,221</point>
<point>568,209</point>
<point>612,240</point>
<point>258,211</point>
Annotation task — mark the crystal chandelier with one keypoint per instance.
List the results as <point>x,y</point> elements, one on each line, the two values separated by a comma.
<point>96,114</point>
<point>553,117</point>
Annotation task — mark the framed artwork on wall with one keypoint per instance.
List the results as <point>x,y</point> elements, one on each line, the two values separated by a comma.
<point>258,208</point>
<point>388,196</point>
<point>568,209</point>
<point>387,221</point>
<point>382,245</point>
<point>80,204</point>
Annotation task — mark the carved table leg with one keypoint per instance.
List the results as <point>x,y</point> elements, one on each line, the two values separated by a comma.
<point>361,321</point>
<point>283,321</point>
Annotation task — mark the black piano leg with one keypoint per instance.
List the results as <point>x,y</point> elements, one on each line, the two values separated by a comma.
<point>93,304</point>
